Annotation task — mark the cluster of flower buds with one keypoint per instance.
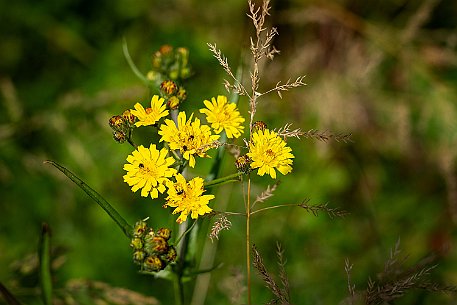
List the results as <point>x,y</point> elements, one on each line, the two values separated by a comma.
<point>170,63</point>
<point>122,126</point>
<point>151,249</point>
<point>172,93</point>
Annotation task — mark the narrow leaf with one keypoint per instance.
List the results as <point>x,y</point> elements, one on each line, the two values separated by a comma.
<point>109,209</point>
<point>45,265</point>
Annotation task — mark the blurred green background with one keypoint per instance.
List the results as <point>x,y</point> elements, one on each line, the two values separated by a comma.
<point>385,71</point>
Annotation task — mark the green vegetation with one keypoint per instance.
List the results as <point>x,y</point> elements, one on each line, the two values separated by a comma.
<point>384,72</point>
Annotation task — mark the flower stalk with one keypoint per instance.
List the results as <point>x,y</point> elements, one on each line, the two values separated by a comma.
<point>227,179</point>
<point>248,241</point>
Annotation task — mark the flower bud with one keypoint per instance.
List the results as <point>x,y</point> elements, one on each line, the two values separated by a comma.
<point>140,228</point>
<point>181,94</point>
<point>242,163</point>
<point>158,245</point>
<point>119,136</point>
<point>116,122</point>
<point>164,233</point>
<point>171,255</point>
<point>138,256</point>
<point>153,263</point>
<point>259,125</point>
<point>128,117</point>
<point>156,60</point>
<point>183,55</point>
<point>173,102</point>
<point>168,87</point>
<point>166,49</point>
<point>153,76</point>
<point>136,243</point>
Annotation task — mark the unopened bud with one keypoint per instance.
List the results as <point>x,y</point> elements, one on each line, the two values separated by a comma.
<point>242,163</point>
<point>171,255</point>
<point>168,87</point>
<point>116,122</point>
<point>119,136</point>
<point>140,228</point>
<point>259,125</point>
<point>164,233</point>
<point>138,256</point>
<point>136,243</point>
<point>128,117</point>
<point>173,102</point>
<point>153,263</point>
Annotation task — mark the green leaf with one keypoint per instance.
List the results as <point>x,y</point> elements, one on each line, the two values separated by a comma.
<point>109,209</point>
<point>45,265</point>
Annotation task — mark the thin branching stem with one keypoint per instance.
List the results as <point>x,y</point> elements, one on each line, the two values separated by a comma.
<point>186,232</point>
<point>273,207</point>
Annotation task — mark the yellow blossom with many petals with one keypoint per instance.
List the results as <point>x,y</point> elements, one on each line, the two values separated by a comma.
<point>223,115</point>
<point>149,170</point>
<point>268,151</point>
<point>190,138</point>
<point>150,115</point>
<point>187,197</point>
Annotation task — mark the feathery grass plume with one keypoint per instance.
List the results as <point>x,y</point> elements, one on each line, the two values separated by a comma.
<point>323,207</point>
<point>233,286</point>
<point>221,223</point>
<point>237,86</point>
<point>282,294</point>
<point>266,194</point>
<point>351,287</point>
<point>396,280</point>
<point>323,136</point>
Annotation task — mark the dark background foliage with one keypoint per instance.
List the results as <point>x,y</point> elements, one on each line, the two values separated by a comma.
<point>384,71</point>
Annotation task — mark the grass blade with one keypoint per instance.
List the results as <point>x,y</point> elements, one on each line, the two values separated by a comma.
<point>109,209</point>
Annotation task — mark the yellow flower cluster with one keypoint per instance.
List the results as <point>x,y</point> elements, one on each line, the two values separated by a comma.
<point>154,171</point>
<point>188,137</point>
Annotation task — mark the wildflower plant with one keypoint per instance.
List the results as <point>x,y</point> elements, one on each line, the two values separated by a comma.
<point>158,169</point>
<point>162,170</point>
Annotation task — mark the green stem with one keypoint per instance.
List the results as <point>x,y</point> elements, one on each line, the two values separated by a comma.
<point>184,234</point>
<point>109,209</point>
<point>178,289</point>
<point>248,241</point>
<point>45,265</point>
<point>230,178</point>
<point>274,207</point>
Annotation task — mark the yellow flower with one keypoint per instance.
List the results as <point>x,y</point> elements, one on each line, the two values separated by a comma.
<point>268,151</point>
<point>188,198</point>
<point>150,115</point>
<point>190,138</point>
<point>149,169</point>
<point>223,116</point>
